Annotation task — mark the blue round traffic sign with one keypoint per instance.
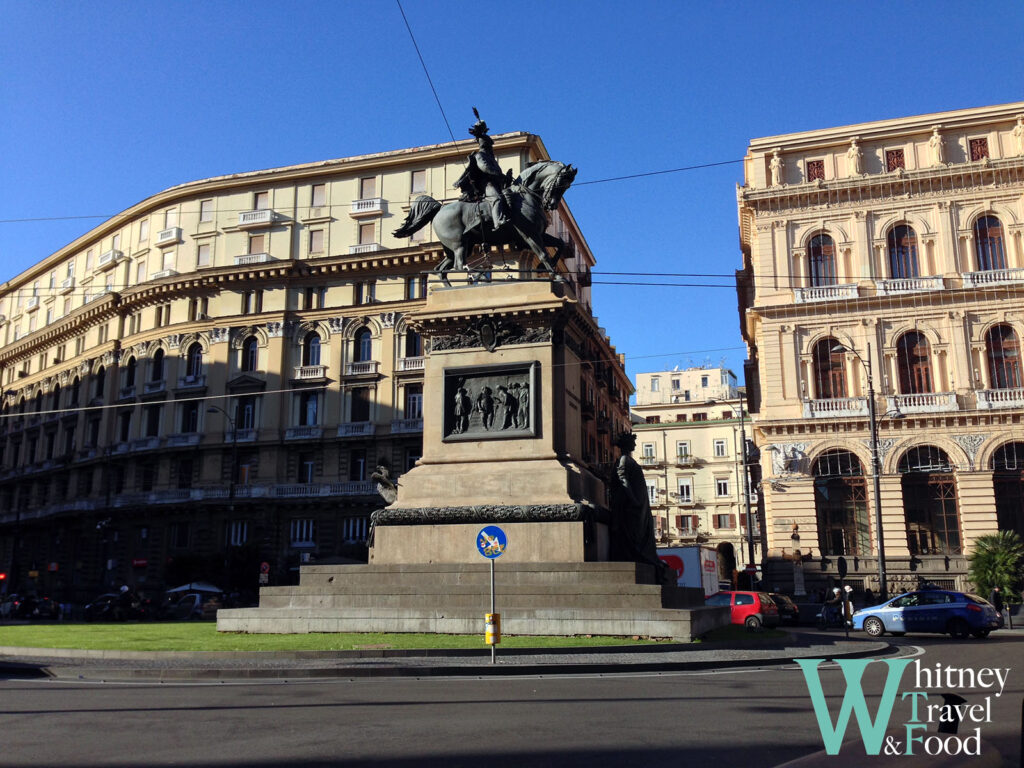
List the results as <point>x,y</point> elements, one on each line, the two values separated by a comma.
<point>491,541</point>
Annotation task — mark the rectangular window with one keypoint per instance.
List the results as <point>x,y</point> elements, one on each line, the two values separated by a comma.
<point>124,426</point>
<point>419,183</point>
<point>979,149</point>
<point>721,486</point>
<point>366,292</point>
<point>815,170</point>
<point>316,241</point>
<point>179,535</point>
<point>652,493</point>
<point>152,420</point>
<point>140,272</point>
<point>190,416</point>
<point>675,385</point>
<point>307,468</point>
<point>170,218</point>
<point>237,533</point>
<point>686,491</point>
<point>700,417</point>
<point>648,450</point>
<point>719,448</point>
<point>67,307</point>
<point>257,243</point>
<point>144,230</point>
<point>416,287</point>
<point>116,242</point>
<point>683,448</point>
<point>206,210</point>
<point>89,262</point>
<point>170,261</point>
<point>360,404</point>
<point>414,401</point>
<point>357,464</point>
<point>302,533</point>
<point>703,381</point>
<point>101,333</point>
<point>653,420</point>
<point>725,520</point>
<point>261,201</point>
<point>318,195</point>
<point>367,233</point>
<point>203,255</point>
<point>894,159</point>
<point>368,188</point>
<point>71,269</point>
<point>655,384</point>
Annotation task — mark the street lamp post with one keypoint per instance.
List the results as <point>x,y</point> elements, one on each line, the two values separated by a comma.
<point>742,457</point>
<point>234,452</point>
<point>875,468</point>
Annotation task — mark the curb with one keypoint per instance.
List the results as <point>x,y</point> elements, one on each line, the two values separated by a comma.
<point>62,672</point>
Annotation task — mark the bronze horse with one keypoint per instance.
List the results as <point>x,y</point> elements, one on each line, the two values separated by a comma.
<point>462,225</point>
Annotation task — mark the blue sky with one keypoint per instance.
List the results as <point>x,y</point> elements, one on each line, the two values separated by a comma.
<point>107,103</point>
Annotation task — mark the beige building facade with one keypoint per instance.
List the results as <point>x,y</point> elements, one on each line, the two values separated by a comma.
<point>205,382</point>
<point>883,276</point>
<point>690,426</point>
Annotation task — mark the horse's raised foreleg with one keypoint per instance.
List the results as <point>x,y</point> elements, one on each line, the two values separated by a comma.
<point>536,245</point>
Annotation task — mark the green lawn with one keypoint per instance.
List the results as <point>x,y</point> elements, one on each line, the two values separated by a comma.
<point>203,636</point>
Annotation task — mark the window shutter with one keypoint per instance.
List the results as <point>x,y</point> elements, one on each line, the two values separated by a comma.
<point>679,522</point>
<point>732,521</point>
<point>696,522</point>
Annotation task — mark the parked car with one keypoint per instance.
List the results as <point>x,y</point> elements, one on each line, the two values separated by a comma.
<point>750,609</point>
<point>194,605</point>
<point>788,610</point>
<point>930,610</point>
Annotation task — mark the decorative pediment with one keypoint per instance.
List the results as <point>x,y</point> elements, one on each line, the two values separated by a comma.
<point>246,383</point>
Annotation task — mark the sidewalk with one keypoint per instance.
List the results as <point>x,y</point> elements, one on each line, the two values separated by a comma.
<point>174,665</point>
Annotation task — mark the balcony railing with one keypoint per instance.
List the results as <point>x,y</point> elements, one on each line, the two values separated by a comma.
<point>364,248</point>
<point>240,436</point>
<point>355,428</point>
<point>371,206</point>
<point>686,460</point>
<point>32,303</point>
<point>192,382</point>
<point>182,440</point>
<point>993,399</point>
<point>825,293</point>
<point>163,273</point>
<point>252,258</point>
<point>650,461</point>
<point>835,407</point>
<point>150,387</point>
<point>109,258</point>
<point>146,443</point>
<point>310,372</point>
<point>303,433</point>
<point>932,402</point>
<point>993,277</point>
<point>410,363</point>
<point>125,392</point>
<point>168,236</point>
<point>406,425</point>
<point>66,285</point>
<point>362,368</point>
<point>259,218</point>
<point>897,286</point>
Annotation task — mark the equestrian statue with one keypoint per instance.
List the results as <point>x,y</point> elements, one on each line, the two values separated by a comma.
<point>494,209</point>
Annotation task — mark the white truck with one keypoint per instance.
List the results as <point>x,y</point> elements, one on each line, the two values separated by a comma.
<point>694,566</point>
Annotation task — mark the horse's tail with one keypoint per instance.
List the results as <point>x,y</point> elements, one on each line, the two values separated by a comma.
<point>422,211</point>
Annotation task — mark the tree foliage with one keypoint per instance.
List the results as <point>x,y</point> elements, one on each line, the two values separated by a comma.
<point>998,561</point>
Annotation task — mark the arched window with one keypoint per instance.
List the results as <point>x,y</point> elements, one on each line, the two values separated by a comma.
<point>363,345</point>
<point>829,372</point>
<point>913,358</point>
<point>129,372</point>
<point>194,361</point>
<point>1003,349</point>
<point>902,252</point>
<point>821,260</point>
<point>156,371</point>
<point>76,391</point>
<point>55,398</point>
<point>101,382</point>
<point>311,349</point>
<point>1008,482</point>
<point>840,503</point>
<point>39,399</point>
<point>930,501</point>
<point>413,344</point>
<point>988,244</point>
<point>250,354</point>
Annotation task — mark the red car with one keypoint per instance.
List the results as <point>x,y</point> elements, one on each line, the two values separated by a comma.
<point>751,609</point>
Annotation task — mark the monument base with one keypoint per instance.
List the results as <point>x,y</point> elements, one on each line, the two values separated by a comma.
<point>607,598</point>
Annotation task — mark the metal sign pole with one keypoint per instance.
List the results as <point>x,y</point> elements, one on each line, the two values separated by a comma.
<point>494,646</point>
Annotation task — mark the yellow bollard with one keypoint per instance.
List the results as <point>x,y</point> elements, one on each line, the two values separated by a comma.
<point>492,628</point>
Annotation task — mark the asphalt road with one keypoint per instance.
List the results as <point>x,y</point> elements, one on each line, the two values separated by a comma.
<point>750,717</point>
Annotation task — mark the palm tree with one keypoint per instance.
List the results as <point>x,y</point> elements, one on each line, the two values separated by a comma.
<point>998,561</point>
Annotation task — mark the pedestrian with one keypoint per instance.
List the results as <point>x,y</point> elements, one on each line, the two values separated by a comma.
<point>869,597</point>
<point>996,598</point>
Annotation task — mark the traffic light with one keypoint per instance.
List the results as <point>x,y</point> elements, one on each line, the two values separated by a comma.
<point>3,576</point>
